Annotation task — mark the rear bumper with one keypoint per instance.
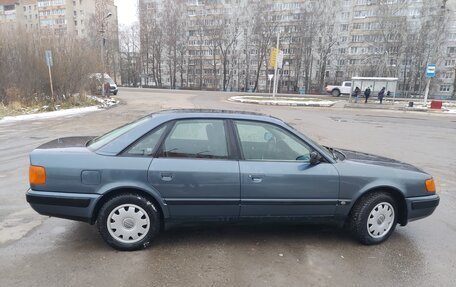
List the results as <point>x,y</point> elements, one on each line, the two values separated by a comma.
<point>419,207</point>
<point>73,206</point>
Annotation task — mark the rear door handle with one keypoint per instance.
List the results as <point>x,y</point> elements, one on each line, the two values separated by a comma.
<point>256,178</point>
<point>166,176</point>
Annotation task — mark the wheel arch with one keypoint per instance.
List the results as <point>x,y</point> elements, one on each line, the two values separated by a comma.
<point>122,190</point>
<point>396,193</point>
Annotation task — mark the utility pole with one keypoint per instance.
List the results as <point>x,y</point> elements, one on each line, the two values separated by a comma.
<point>274,90</point>
<point>50,63</point>
<point>102,31</point>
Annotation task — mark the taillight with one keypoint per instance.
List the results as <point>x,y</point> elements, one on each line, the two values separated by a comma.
<point>430,185</point>
<point>37,175</point>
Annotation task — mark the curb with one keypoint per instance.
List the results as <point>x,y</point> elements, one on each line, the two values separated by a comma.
<point>278,102</point>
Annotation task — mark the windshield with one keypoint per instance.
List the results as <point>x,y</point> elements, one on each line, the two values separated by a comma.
<point>110,81</point>
<point>98,142</point>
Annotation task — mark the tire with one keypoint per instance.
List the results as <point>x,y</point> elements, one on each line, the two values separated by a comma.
<point>128,222</point>
<point>373,218</point>
<point>115,93</point>
<point>335,93</point>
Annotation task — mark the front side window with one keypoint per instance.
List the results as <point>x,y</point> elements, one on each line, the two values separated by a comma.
<point>146,145</point>
<point>196,139</point>
<point>262,141</point>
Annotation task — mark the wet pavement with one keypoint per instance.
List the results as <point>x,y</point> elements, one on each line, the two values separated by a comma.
<point>41,251</point>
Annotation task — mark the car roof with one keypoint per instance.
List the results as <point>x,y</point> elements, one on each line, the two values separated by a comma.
<point>195,113</point>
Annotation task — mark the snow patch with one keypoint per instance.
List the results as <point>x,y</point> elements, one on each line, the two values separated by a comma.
<point>49,115</point>
<point>103,104</point>
<point>284,101</point>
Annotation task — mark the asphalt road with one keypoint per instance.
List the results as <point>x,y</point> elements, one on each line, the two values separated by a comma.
<point>41,251</point>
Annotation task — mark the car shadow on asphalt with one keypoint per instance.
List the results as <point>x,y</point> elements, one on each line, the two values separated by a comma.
<point>251,233</point>
<point>244,234</point>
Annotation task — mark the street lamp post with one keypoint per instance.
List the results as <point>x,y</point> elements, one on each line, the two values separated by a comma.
<point>102,31</point>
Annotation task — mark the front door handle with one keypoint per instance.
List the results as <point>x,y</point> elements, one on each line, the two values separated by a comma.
<point>256,178</point>
<point>166,176</point>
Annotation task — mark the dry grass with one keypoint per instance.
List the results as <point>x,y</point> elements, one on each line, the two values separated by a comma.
<point>16,108</point>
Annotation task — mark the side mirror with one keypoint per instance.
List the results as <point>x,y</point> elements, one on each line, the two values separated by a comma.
<point>315,158</point>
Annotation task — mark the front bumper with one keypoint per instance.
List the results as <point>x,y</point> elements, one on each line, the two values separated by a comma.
<point>419,207</point>
<point>73,206</point>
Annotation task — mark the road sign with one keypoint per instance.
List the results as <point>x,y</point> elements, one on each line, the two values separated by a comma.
<point>430,70</point>
<point>48,55</point>
<point>280,60</point>
<point>276,58</point>
<point>273,57</point>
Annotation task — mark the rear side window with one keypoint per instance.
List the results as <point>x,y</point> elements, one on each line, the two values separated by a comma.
<point>146,145</point>
<point>108,137</point>
<point>196,139</point>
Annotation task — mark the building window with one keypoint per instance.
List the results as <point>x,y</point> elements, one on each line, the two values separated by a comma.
<point>451,50</point>
<point>445,88</point>
<point>447,75</point>
<point>450,63</point>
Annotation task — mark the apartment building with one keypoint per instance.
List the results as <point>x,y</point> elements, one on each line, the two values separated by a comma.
<point>389,38</point>
<point>57,17</point>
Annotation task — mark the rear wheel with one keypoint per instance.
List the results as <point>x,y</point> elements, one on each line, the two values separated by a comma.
<point>374,218</point>
<point>128,222</point>
<point>335,93</point>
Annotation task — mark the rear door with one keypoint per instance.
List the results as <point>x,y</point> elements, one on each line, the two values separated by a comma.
<point>277,178</point>
<point>195,172</point>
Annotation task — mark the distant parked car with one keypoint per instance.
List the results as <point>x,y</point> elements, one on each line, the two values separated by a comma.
<point>336,91</point>
<point>187,165</point>
<point>95,84</point>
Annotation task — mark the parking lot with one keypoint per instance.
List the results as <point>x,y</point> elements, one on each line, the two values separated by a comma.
<point>40,251</point>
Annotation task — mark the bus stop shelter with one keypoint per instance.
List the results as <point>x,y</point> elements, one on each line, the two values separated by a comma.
<point>375,84</point>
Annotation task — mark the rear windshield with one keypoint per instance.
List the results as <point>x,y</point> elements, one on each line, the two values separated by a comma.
<point>98,142</point>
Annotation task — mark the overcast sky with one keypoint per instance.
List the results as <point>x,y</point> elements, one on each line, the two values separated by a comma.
<point>127,11</point>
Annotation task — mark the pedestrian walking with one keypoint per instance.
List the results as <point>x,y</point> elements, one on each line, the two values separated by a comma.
<point>367,94</point>
<point>356,94</point>
<point>381,95</point>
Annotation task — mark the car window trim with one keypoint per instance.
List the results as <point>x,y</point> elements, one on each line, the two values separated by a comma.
<point>159,151</point>
<point>273,124</point>
<point>236,139</point>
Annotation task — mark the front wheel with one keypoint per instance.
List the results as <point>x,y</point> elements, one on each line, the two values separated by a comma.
<point>128,222</point>
<point>374,218</point>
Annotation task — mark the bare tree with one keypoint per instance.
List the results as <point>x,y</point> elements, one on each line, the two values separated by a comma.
<point>129,50</point>
<point>24,72</point>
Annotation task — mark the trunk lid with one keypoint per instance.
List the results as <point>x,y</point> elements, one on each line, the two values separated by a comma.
<point>67,142</point>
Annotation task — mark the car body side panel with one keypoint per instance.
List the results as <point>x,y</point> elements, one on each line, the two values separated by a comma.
<point>197,187</point>
<point>288,189</point>
<point>358,178</point>
<point>65,169</point>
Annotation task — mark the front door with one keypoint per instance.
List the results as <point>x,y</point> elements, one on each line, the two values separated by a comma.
<point>277,178</point>
<point>194,171</point>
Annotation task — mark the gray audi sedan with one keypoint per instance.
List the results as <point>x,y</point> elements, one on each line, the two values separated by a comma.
<point>197,165</point>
